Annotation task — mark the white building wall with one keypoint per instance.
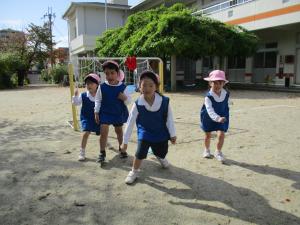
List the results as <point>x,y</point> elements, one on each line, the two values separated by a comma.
<point>88,23</point>
<point>94,20</point>
<point>286,46</point>
<point>80,22</point>
<point>257,7</point>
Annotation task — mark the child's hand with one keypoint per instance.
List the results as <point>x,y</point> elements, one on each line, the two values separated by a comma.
<point>97,118</point>
<point>222,120</point>
<point>173,140</point>
<point>124,147</point>
<point>76,92</point>
<point>122,96</point>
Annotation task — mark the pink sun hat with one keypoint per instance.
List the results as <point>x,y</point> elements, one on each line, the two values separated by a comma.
<point>121,73</point>
<point>94,77</point>
<point>150,71</point>
<point>216,75</point>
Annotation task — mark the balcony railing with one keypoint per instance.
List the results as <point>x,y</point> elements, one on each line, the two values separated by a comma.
<point>221,6</point>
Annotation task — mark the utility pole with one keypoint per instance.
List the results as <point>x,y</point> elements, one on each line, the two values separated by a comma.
<point>51,17</point>
<point>105,14</point>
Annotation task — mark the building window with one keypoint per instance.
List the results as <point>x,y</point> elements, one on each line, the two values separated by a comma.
<point>236,62</point>
<point>208,62</point>
<point>271,45</point>
<point>298,38</point>
<point>259,60</point>
<point>270,59</point>
<point>179,63</point>
<point>265,59</point>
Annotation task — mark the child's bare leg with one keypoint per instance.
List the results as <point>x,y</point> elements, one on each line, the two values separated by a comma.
<point>221,137</point>
<point>136,163</point>
<point>103,136</point>
<point>84,138</point>
<point>119,132</point>
<point>207,140</point>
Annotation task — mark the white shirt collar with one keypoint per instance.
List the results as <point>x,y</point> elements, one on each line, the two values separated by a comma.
<point>113,84</point>
<point>156,104</point>
<point>92,98</point>
<point>217,97</point>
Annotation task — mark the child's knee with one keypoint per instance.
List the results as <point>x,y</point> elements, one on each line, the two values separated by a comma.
<point>207,135</point>
<point>221,134</point>
<point>86,134</point>
<point>119,130</point>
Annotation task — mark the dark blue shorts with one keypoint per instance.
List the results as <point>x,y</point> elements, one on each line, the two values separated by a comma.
<point>115,125</point>
<point>159,149</point>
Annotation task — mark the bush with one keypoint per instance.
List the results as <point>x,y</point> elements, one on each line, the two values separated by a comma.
<point>58,73</point>
<point>7,71</point>
<point>55,75</point>
<point>46,76</point>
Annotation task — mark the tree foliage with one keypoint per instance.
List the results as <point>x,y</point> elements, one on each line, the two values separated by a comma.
<point>175,31</point>
<point>28,48</point>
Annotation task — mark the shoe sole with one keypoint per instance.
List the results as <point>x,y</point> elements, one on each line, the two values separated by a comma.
<point>129,183</point>
<point>122,156</point>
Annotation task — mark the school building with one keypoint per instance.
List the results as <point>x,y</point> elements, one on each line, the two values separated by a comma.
<point>275,22</point>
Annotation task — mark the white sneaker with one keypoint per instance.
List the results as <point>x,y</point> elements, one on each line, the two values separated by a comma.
<point>164,162</point>
<point>219,156</point>
<point>131,177</point>
<point>206,153</point>
<point>81,156</point>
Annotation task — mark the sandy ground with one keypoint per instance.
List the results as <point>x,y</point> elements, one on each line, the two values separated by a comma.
<point>41,181</point>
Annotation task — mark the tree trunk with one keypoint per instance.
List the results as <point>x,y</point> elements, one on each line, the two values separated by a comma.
<point>21,76</point>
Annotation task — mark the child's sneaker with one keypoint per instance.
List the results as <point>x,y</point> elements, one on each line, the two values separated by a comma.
<point>131,177</point>
<point>81,156</point>
<point>101,157</point>
<point>164,162</point>
<point>122,155</point>
<point>219,156</point>
<point>206,154</point>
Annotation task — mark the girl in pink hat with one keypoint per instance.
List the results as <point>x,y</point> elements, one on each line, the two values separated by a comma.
<point>110,106</point>
<point>214,114</point>
<point>87,120</point>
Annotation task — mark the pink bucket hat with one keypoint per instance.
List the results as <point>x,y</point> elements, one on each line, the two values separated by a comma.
<point>120,73</point>
<point>94,77</point>
<point>149,71</point>
<point>216,75</point>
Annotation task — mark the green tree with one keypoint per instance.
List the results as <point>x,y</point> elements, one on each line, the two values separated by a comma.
<point>175,31</point>
<point>10,63</point>
<point>30,47</point>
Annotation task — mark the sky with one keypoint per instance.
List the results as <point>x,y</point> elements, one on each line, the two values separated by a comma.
<point>17,14</point>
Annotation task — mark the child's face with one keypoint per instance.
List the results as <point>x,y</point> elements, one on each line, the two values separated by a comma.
<point>217,85</point>
<point>148,87</point>
<point>91,86</point>
<point>111,76</point>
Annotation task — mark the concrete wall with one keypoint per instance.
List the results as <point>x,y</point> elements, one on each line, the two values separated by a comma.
<point>258,7</point>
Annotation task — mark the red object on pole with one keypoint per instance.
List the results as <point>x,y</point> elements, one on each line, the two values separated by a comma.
<point>131,63</point>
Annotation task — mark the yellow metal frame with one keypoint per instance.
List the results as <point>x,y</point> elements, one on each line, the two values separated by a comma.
<point>71,81</point>
<point>74,112</point>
